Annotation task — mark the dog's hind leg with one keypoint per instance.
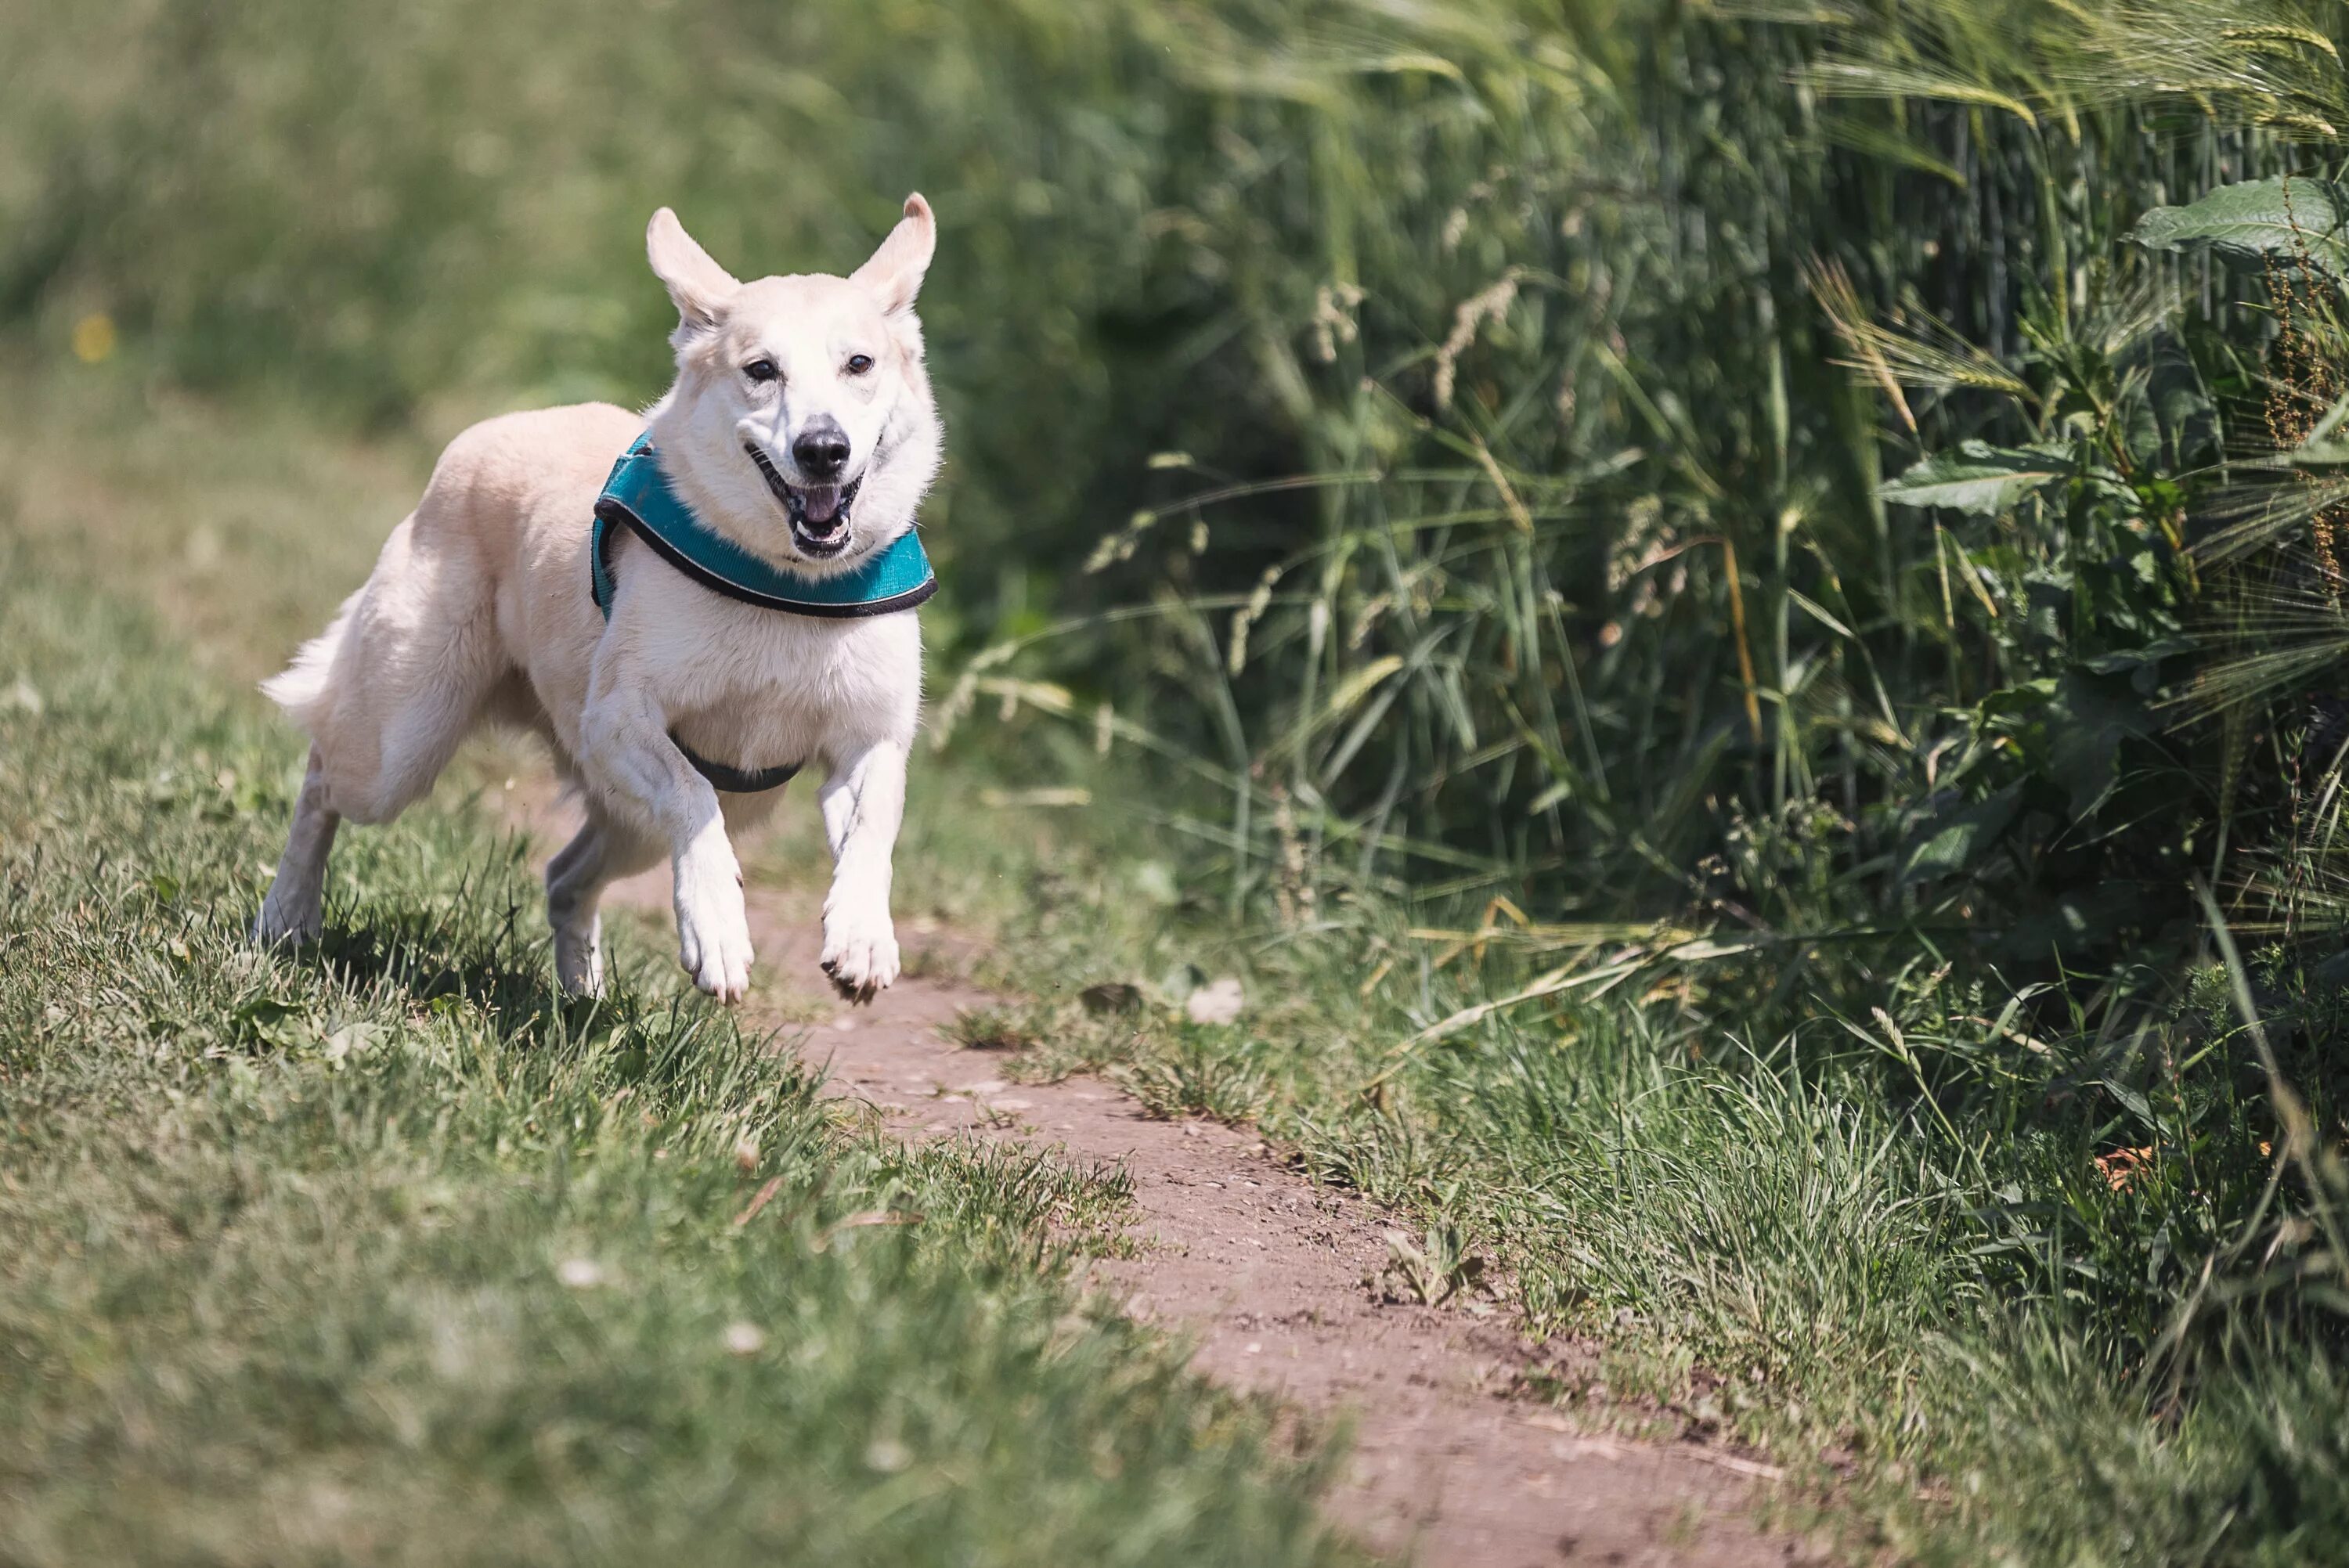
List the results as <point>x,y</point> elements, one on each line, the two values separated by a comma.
<point>386,694</point>
<point>601,853</point>
<point>403,675</point>
<point>295,910</point>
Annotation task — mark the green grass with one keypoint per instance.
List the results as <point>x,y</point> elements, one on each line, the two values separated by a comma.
<point>383,1253</point>
<point>1933,1308</point>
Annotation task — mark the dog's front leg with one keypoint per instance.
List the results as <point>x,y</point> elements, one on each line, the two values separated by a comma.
<point>629,757</point>
<point>863,803</point>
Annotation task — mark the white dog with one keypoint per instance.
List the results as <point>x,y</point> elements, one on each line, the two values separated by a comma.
<point>736,601</point>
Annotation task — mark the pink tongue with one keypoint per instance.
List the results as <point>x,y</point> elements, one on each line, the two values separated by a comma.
<point>822,502</point>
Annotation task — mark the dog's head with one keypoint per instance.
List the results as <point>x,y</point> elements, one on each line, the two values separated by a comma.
<point>801,423</point>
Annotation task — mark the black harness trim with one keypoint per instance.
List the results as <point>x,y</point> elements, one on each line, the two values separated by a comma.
<point>735,780</point>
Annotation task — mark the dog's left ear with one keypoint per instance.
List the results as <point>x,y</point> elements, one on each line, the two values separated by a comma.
<point>893,273</point>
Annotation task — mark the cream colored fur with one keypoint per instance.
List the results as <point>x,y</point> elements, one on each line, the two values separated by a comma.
<point>478,610</point>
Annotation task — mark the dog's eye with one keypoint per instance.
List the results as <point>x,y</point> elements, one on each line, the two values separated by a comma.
<point>858,364</point>
<point>760,370</point>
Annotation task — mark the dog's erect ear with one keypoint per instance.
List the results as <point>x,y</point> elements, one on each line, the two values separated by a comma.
<point>699,287</point>
<point>893,273</point>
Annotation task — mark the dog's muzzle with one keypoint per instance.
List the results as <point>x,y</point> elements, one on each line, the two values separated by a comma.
<point>819,513</point>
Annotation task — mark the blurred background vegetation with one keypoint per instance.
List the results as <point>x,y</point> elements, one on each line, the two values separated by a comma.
<point>1812,521</point>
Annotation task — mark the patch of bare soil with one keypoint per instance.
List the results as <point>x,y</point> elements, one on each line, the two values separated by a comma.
<point>1269,1275</point>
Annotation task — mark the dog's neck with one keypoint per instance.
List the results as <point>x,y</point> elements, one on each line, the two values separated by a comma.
<point>702,457</point>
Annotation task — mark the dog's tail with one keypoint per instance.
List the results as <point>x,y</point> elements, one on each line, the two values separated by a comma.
<point>299,687</point>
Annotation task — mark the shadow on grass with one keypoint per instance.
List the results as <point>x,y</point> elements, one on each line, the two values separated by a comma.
<point>502,973</point>
<point>481,944</point>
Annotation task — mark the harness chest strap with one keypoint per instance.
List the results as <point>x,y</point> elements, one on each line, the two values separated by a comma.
<point>734,780</point>
<point>638,497</point>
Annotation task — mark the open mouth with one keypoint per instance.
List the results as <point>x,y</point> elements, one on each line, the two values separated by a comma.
<point>819,513</point>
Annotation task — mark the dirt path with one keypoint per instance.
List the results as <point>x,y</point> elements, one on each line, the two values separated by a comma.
<point>1268,1273</point>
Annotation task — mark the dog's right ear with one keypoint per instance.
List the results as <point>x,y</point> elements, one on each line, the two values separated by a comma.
<point>699,287</point>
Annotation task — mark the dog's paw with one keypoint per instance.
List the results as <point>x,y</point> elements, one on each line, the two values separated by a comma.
<point>713,930</point>
<point>288,921</point>
<point>860,954</point>
<point>579,958</point>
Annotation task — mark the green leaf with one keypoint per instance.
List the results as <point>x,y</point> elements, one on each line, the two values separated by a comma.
<point>2087,723</point>
<point>2181,402</point>
<point>2132,1100</point>
<point>2291,216</point>
<point>1979,478</point>
<point>1958,840</point>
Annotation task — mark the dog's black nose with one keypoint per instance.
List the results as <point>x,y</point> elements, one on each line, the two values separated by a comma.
<point>822,449</point>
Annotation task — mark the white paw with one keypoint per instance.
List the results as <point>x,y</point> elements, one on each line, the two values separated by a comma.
<point>713,930</point>
<point>859,952</point>
<point>579,958</point>
<point>288,918</point>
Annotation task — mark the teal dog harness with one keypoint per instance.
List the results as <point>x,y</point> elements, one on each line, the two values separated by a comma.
<point>638,497</point>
